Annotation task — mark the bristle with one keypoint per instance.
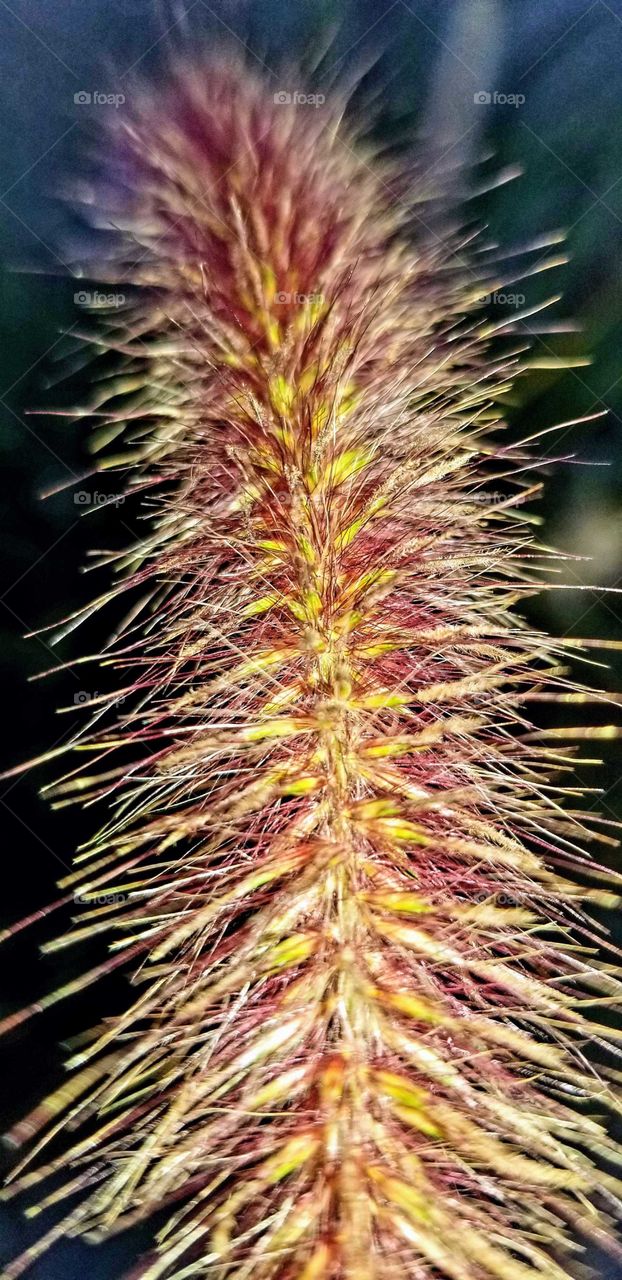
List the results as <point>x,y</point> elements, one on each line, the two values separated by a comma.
<point>340,868</point>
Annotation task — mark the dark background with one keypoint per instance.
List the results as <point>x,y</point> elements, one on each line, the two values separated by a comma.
<point>423,62</point>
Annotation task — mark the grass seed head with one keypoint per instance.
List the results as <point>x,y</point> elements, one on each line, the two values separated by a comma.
<point>339,870</point>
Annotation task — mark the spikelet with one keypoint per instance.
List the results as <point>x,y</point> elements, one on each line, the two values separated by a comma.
<point>339,868</point>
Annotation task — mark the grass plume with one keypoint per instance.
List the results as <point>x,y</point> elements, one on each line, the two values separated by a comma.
<point>345,870</point>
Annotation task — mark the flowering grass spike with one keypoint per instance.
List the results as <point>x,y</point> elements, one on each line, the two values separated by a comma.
<point>337,861</point>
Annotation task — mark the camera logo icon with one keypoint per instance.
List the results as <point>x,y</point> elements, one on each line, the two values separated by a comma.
<point>82,98</point>
<point>482,97</point>
<point>282,98</point>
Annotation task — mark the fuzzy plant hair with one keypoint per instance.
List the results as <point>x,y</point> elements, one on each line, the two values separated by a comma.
<point>342,867</point>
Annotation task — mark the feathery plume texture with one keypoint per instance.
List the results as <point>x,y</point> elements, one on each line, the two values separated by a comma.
<point>337,865</point>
